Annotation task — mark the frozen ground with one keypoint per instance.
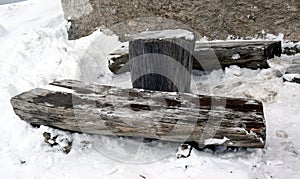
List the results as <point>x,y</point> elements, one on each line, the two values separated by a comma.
<point>35,51</point>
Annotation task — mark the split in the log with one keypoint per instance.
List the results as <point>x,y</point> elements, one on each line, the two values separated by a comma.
<point>171,116</point>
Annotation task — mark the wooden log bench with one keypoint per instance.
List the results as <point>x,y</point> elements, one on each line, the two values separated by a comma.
<point>158,107</point>
<point>171,116</point>
<point>248,54</point>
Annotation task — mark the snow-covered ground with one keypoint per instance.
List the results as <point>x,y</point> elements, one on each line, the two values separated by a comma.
<point>34,51</point>
<point>10,1</point>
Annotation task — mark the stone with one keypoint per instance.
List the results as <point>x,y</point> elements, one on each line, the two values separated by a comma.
<point>215,19</point>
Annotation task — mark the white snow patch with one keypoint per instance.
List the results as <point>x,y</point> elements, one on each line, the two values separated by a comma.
<point>279,37</point>
<point>251,102</point>
<point>216,141</point>
<point>165,34</point>
<point>290,77</point>
<point>184,151</point>
<point>57,88</point>
<point>3,31</point>
<point>236,56</point>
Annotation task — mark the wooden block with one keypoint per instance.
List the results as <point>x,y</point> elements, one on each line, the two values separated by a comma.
<point>162,60</point>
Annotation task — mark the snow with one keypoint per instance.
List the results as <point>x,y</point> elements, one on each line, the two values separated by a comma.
<point>3,31</point>
<point>290,77</point>
<point>236,56</point>
<point>215,141</point>
<point>35,51</point>
<point>165,34</point>
<point>9,1</point>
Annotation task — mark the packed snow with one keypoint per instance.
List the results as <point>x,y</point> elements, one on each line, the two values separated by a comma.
<point>35,51</point>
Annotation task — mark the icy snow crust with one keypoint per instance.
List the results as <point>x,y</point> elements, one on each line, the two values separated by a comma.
<point>35,51</point>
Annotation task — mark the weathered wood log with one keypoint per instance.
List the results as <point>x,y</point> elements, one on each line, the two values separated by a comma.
<point>162,60</point>
<point>214,55</point>
<point>171,116</point>
<point>245,54</point>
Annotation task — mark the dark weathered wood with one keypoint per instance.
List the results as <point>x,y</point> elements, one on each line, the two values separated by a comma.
<point>162,60</point>
<point>214,55</point>
<point>98,109</point>
<point>246,54</point>
<point>118,60</point>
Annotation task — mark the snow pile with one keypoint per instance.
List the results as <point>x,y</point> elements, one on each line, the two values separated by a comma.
<point>35,51</point>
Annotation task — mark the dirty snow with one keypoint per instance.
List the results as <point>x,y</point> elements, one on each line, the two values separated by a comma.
<point>35,51</point>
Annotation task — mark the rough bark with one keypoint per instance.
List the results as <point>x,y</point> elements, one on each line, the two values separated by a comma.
<point>214,55</point>
<point>98,109</point>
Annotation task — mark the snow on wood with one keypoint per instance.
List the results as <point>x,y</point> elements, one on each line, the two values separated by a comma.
<point>291,47</point>
<point>171,116</point>
<point>165,34</point>
<point>214,55</point>
<point>293,72</point>
<point>216,141</point>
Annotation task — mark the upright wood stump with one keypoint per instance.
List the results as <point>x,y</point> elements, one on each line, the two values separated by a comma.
<point>162,60</point>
